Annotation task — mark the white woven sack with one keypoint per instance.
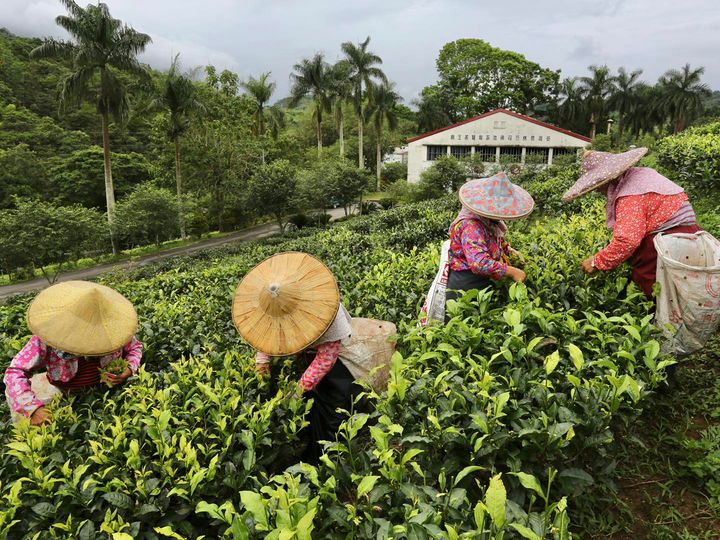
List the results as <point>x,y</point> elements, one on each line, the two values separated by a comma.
<point>367,349</point>
<point>688,270</point>
<point>434,306</point>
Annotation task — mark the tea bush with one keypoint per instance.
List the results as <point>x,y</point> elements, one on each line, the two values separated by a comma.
<point>491,425</point>
<point>693,157</point>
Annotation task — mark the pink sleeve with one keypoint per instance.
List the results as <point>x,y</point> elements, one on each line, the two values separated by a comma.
<point>132,352</point>
<point>18,391</point>
<point>327,355</point>
<point>628,233</point>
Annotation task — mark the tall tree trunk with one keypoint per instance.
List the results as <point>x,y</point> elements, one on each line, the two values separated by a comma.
<point>679,124</point>
<point>109,190</point>
<point>341,132</point>
<point>178,185</point>
<point>621,128</point>
<point>361,160</point>
<point>319,133</point>
<point>378,161</point>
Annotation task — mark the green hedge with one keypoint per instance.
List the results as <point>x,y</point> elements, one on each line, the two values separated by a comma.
<point>693,157</point>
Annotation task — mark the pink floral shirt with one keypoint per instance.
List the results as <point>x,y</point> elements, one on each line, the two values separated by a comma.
<point>473,247</point>
<point>325,358</point>
<point>60,366</point>
<point>636,216</point>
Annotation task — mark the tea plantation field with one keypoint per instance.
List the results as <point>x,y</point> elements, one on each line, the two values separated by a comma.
<point>533,414</point>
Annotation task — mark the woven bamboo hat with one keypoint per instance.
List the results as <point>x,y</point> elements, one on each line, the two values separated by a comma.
<point>496,198</point>
<point>285,303</point>
<point>599,168</point>
<point>82,318</point>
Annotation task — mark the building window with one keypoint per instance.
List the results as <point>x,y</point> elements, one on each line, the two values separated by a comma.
<point>486,153</point>
<point>473,137</point>
<point>547,138</point>
<point>532,137</point>
<point>434,152</point>
<point>510,154</point>
<point>564,152</point>
<point>536,156</point>
<point>452,137</point>
<point>460,152</point>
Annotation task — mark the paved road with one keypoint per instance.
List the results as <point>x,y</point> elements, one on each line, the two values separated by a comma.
<point>261,231</point>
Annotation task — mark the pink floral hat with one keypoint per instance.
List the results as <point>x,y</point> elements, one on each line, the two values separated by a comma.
<point>496,198</point>
<point>599,168</point>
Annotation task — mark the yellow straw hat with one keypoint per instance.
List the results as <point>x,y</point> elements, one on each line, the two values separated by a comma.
<point>82,318</point>
<point>285,303</point>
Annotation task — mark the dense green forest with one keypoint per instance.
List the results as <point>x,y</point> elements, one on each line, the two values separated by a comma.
<point>99,152</point>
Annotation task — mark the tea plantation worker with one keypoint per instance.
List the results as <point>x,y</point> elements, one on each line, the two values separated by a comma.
<point>641,203</point>
<point>78,329</point>
<point>478,251</point>
<point>290,305</point>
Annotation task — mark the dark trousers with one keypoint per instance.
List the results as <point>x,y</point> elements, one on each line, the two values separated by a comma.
<point>337,390</point>
<point>463,281</point>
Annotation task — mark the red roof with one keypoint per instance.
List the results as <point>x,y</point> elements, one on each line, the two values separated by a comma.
<point>495,111</point>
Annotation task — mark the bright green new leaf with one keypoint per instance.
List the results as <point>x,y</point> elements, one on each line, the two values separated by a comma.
<point>551,362</point>
<point>366,485</point>
<point>525,532</point>
<point>495,499</point>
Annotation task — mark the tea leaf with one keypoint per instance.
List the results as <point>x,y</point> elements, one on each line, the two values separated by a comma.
<point>495,499</point>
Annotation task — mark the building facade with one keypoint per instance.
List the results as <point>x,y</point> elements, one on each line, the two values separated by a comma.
<point>499,136</point>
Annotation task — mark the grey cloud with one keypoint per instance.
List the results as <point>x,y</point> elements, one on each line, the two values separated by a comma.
<point>253,36</point>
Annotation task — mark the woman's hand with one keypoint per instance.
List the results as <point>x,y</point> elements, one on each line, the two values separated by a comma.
<point>587,265</point>
<point>40,416</point>
<point>263,369</point>
<point>515,274</point>
<point>114,380</point>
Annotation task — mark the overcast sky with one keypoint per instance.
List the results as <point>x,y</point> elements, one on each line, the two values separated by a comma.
<point>253,36</point>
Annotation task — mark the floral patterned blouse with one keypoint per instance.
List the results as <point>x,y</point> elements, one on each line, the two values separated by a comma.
<point>60,366</point>
<point>473,247</point>
<point>636,216</point>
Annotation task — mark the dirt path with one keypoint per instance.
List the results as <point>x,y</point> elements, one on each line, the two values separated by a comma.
<point>261,231</point>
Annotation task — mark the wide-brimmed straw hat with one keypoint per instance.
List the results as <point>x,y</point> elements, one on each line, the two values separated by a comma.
<point>285,303</point>
<point>82,318</point>
<point>496,198</point>
<point>599,168</point>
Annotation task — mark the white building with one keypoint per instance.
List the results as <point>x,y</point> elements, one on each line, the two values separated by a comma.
<point>399,155</point>
<point>496,134</point>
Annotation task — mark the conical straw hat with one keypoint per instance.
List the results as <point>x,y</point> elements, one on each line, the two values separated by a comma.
<point>496,198</point>
<point>82,318</point>
<point>599,168</point>
<point>285,303</point>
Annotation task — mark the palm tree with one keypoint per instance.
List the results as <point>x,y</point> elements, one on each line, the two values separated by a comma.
<point>260,90</point>
<point>341,88</point>
<point>177,97</point>
<point>312,78</point>
<point>432,112</point>
<point>683,95</point>
<point>596,90</point>
<point>572,107</point>
<point>364,69</point>
<point>381,110</point>
<point>274,120</point>
<point>625,96</point>
<point>101,47</point>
